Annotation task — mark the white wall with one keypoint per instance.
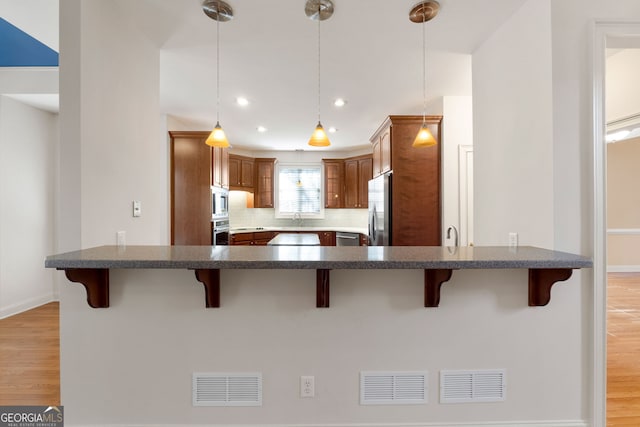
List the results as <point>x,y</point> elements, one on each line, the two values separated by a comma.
<point>457,130</point>
<point>512,118</point>
<point>622,83</point>
<point>122,144</point>
<point>28,139</point>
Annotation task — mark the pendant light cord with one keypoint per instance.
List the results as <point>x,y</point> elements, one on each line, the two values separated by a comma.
<point>218,62</point>
<point>424,72</point>
<point>319,19</point>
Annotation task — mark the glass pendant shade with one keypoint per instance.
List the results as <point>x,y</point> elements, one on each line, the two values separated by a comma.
<point>217,138</point>
<point>319,137</point>
<point>424,138</point>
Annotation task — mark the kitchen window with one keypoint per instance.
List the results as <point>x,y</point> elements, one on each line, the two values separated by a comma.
<point>299,191</point>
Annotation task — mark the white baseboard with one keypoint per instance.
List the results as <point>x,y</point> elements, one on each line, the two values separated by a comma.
<point>25,305</point>
<point>451,424</point>
<point>623,269</point>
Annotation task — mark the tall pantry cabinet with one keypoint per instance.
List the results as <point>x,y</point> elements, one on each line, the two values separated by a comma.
<point>194,168</point>
<point>415,179</point>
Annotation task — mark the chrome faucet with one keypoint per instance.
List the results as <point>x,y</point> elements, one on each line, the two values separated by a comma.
<point>297,217</point>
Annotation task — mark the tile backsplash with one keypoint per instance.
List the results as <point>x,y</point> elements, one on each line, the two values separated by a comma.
<point>241,216</point>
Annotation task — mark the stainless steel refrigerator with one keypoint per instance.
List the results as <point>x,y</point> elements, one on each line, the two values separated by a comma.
<point>380,210</point>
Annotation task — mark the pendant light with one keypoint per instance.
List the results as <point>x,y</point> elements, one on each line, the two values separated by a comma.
<point>219,11</point>
<point>421,13</point>
<point>319,10</point>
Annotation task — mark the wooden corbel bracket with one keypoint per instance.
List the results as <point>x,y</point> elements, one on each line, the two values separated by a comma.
<point>433,280</point>
<point>322,288</point>
<point>95,281</point>
<point>210,278</point>
<point>540,282</point>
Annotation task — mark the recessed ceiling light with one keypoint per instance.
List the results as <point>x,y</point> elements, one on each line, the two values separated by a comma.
<point>261,129</point>
<point>242,101</point>
<point>339,102</point>
<point>333,130</point>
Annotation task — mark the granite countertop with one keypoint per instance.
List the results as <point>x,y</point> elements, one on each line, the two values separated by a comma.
<point>316,257</point>
<point>361,230</point>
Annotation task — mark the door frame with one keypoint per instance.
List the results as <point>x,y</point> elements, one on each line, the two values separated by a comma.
<point>601,31</point>
<point>465,194</point>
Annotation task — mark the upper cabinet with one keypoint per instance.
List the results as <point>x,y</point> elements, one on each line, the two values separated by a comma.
<point>333,183</point>
<point>241,173</point>
<point>220,167</point>
<point>346,182</point>
<point>381,143</point>
<point>265,177</point>
<point>357,173</point>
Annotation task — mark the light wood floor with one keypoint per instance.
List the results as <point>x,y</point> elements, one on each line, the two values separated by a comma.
<point>623,348</point>
<point>30,362</point>
<point>30,357</point>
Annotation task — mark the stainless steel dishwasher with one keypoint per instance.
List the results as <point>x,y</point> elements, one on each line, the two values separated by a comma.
<point>347,239</point>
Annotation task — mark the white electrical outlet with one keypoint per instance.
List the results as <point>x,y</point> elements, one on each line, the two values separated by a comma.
<point>121,238</point>
<point>513,240</point>
<point>307,386</point>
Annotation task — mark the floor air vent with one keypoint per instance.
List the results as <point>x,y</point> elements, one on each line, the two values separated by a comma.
<point>472,386</point>
<point>210,389</point>
<point>393,388</point>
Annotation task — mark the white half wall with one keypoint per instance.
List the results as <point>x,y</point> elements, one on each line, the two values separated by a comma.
<point>512,119</point>
<point>28,139</point>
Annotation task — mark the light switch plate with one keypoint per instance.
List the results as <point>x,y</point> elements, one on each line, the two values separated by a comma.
<point>137,208</point>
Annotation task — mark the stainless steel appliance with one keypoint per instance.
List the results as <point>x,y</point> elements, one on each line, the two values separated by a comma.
<point>380,210</point>
<point>220,231</point>
<point>219,203</point>
<point>347,239</point>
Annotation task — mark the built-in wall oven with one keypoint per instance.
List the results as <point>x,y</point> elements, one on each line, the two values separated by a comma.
<point>220,231</point>
<point>219,203</point>
<point>219,216</point>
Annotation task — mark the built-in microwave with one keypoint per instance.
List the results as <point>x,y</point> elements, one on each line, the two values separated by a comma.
<point>219,202</point>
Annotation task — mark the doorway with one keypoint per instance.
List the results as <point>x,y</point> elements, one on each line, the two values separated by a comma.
<point>607,35</point>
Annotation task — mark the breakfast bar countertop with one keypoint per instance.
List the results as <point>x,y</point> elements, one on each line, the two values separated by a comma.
<point>91,266</point>
<point>317,257</point>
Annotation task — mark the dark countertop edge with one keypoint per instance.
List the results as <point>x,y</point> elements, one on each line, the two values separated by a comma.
<point>314,265</point>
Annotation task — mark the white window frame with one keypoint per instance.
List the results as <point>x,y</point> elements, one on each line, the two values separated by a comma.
<point>279,166</point>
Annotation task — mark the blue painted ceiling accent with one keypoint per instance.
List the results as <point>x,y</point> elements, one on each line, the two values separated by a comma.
<point>19,49</point>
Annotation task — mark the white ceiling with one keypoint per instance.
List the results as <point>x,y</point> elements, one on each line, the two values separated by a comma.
<point>371,56</point>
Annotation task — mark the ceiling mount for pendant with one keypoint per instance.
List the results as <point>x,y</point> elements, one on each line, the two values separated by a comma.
<point>424,11</point>
<point>210,8</point>
<point>321,8</point>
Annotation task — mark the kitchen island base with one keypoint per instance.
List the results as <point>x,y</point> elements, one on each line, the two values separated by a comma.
<point>132,364</point>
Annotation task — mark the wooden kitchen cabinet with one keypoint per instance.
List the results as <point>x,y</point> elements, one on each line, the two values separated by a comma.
<point>415,182</point>
<point>357,173</point>
<point>255,238</point>
<point>220,167</point>
<point>327,238</point>
<point>333,183</point>
<point>241,239</point>
<point>241,173</point>
<point>381,143</point>
<point>265,177</point>
<point>261,238</point>
<point>190,188</point>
